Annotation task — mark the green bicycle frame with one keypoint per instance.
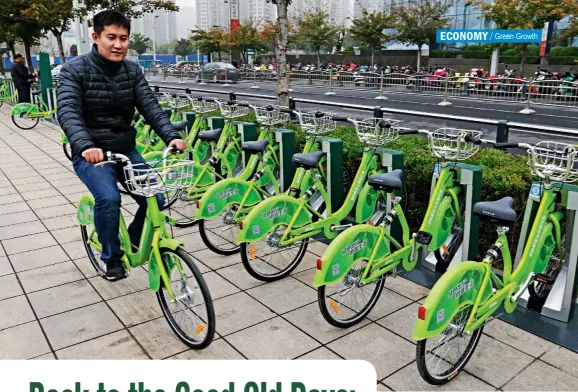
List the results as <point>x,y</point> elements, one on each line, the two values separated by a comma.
<point>296,213</point>
<point>32,110</point>
<point>366,242</point>
<point>475,284</point>
<point>154,238</point>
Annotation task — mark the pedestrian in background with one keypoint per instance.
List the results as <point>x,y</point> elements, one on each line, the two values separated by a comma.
<point>22,78</point>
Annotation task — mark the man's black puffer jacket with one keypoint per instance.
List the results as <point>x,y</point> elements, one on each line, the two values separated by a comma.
<point>97,100</point>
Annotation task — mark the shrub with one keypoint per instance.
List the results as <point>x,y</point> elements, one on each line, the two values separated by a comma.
<point>447,54</point>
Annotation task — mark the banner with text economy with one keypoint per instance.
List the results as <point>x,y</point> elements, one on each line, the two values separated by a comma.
<point>488,36</point>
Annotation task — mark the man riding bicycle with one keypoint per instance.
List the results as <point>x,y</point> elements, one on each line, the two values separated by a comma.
<point>97,96</point>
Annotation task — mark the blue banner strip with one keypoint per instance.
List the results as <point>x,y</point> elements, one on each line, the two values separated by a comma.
<point>489,36</point>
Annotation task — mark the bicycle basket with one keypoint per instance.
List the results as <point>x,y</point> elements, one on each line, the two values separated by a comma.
<point>270,117</point>
<point>372,133</point>
<point>450,143</point>
<point>155,177</point>
<point>233,111</point>
<point>313,125</point>
<point>554,160</point>
<point>200,107</point>
<point>179,102</point>
<point>163,98</point>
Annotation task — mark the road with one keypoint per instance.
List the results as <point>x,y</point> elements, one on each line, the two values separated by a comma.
<point>492,110</point>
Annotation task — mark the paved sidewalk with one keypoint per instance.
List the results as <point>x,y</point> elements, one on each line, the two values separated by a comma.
<point>52,304</point>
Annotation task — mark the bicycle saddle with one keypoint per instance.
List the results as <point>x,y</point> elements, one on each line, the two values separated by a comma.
<point>499,211</point>
<point>180,125</point>
<point>35,92</point>
<point>308,161</point>
<point>387,181</point>
<point>255,147</point>
<point>214,134</point>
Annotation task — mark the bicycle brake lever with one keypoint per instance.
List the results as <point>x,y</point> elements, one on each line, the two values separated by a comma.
<point>101,164</point>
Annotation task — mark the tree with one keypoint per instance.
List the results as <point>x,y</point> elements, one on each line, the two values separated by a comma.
<point>54,16</point>
<point>526,14</point>
<point>246,37</point>
<point>368,30</point>
<point>281,52</point>
<point>214,40</point>
<point>268,34</point>
<point>315,30</point>
<point>183,47</point>
<point>133,9</point>
<point>417,23</point>
<point>139,43</point>
<point>24,29</point>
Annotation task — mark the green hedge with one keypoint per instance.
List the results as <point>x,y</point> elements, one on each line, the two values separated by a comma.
<point>443,54</point>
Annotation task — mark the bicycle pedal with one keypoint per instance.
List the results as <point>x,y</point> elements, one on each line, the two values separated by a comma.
<point>545,279</point>
<point>423,238</point>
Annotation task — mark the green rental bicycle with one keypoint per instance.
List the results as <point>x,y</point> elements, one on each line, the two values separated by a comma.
<point>225,203</point>
<point>5,95</point>
<point>275,234</point>
<point>451,320</point>
<point>351,273</point>
<point>27,115</point>
<point>218,155</point>
<point>181,290</point>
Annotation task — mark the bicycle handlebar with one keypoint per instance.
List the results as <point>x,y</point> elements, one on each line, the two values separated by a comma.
<point>290,111</point>
<point>337,118</point>
<point>469,138</point>
<point>408,132</point>
<point>503,146</point>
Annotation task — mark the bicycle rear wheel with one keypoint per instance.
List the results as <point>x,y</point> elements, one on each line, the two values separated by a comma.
<point>89,238</point>
<point>191,314</point>
<point>346,303</point>
<point>436,361</point>
<point>23,122</point>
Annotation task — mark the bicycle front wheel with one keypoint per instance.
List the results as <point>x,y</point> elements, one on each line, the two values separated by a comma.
<point>346,303</point>
<point>23,122</point>
<point>220,233</point>
<point>439,359</point>
<point>190,314</point>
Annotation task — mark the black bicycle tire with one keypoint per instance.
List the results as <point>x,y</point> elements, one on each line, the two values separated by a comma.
<point>210,245</point>
<point>284,273</point>
<point>24,128</point>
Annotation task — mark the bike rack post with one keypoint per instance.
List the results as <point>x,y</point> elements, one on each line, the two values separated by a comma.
<point>470,177</point>
<point>561,299</point>
<point>330,92</point>
<point>248,132</point>
<point>528,109</point>
<point>446,102</point>
<point>381,96</point>
<point>286,140</point>
<point>255,80</point>
<point>503,132</point>
<point>333,149</point>
<point>232,96</point>
<point>156,88</point>
<point>377,113</point>
<point>392,160</point>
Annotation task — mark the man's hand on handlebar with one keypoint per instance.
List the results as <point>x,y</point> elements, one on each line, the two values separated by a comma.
<point>93,155</point>
<point>179,144</point>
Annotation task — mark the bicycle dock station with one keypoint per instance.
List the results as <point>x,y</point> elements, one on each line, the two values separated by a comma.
<point>560,301</point>
<point>470,177</point>
<point>286,140</point>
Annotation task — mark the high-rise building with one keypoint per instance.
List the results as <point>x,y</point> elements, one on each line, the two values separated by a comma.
<point>163,23</point>
<point>186,20</point>
<point>212,13</point>
<point>258,10</point>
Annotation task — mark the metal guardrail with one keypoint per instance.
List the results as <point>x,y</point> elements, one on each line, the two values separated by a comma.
<point>502,126</point>
<point>529,91</point>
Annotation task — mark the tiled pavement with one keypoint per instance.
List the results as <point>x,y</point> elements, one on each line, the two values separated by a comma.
<point>52,304</point>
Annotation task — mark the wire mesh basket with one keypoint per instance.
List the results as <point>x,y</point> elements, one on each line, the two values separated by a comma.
<point>203,106</point>
<point>156,177</point>
<point>377,131</point>
<point>270,115</point>
<point>179,102</point>
<point>231,111</point>
<point>451,144</point>
<point>555,161</point>
<point>163,98</point>
<point>313,125</point>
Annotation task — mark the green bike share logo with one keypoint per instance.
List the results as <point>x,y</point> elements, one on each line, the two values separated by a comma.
<point>274,213</point>
<point>227,192</point>
<point>463,287</point>
<point>537,236</point>
<point>353,248</point>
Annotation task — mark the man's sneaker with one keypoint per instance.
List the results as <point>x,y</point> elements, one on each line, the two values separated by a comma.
<point>115,270</point>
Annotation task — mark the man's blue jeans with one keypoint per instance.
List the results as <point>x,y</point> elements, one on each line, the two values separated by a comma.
<point>102,183</point>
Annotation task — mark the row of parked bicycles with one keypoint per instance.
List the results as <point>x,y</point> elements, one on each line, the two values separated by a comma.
<point>233,189</point>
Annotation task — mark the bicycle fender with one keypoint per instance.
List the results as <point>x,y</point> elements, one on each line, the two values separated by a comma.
<point>170,243</point>
<point>444,219</point>
<point>223,194</point>
<point>85,210</point>
<point>230,156</point>
<point>23,107</point>
<point>269,214</point>
<point>458,287</point>
<point>350,246</point>
<point>366,202</point>
<point>64,139</point>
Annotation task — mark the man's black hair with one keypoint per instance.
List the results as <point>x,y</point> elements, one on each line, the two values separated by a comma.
<point>17,56</point>
<point>110,17</point>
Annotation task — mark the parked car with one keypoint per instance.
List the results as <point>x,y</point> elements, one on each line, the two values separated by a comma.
<point>219,72</point>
